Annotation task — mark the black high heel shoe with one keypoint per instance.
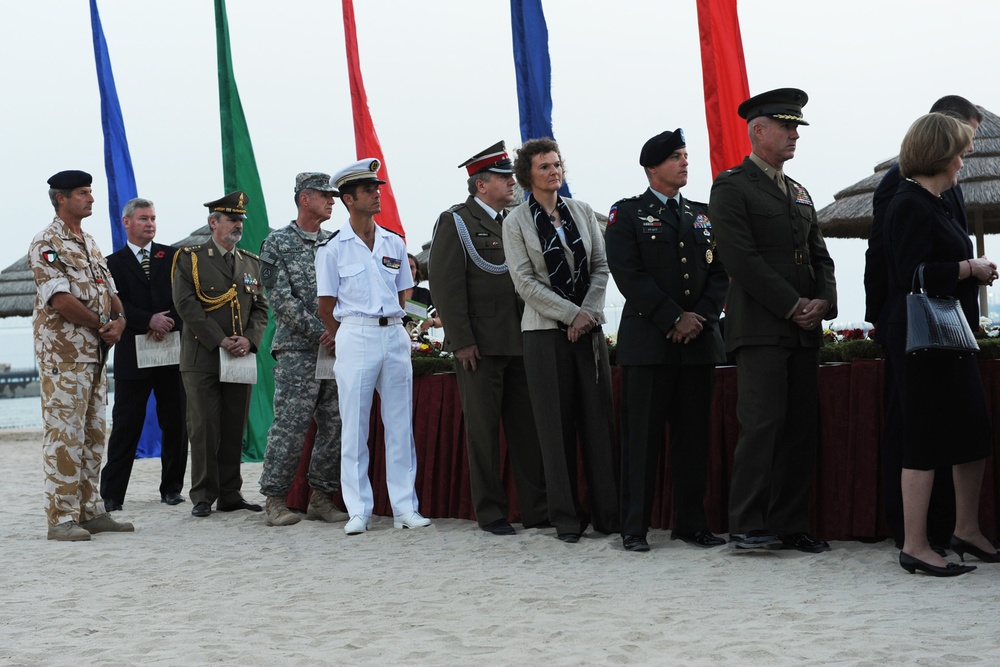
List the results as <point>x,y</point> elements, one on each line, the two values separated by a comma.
<point>911,565</point>
<point>961,547</point>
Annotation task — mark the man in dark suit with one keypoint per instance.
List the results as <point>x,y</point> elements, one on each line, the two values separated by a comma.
<point>481,315</point>
<point>141,271</point>
<point>661,251</point>
<point>941,512</point>
<point>781,291</point>
<point>218,294</point>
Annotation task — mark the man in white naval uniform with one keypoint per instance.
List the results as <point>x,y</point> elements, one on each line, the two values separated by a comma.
<point>361,276</point>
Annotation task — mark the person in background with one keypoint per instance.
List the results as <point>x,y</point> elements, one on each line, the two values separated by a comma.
<point>555,253</point>
<point>943,417</point>
<point>288,272</point>
<point>941,513</point>
<point>217,292</point>
<point>141,270</point>
<point>361,280</point>
<point>77,318</point>
<point>421,295</point>
<point>662,255</point>
<point>483,311</point>
<point>782,289</point>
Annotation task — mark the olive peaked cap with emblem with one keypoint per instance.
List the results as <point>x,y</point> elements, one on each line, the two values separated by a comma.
<point>362,171</point>
<point>660,147</point>
<point>70,180</point>
<point>234,204</point>
<point>494,159</point>
<point>781,104</point>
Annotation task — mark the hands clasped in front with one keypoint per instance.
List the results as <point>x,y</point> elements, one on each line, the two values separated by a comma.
<point>809,313</point>
<point>687,328</point>
<point>983,270</point>
<point>582,324</point>
<point>160,324</point>
<point>238,346</point>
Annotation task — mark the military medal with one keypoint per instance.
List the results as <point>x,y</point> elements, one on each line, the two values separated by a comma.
<point>709,256</point>
<point>801,196</point>
<point>702,222</point>
<point>391,262</point>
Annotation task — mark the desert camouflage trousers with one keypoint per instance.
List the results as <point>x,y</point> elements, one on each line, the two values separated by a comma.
<point>74,401</point>
<point>298,399</point>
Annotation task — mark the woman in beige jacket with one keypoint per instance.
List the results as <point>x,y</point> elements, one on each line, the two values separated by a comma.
<point>556,257</point>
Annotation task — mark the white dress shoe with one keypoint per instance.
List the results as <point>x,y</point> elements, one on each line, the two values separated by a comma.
<point>411,520</point>
<point>357,525</point>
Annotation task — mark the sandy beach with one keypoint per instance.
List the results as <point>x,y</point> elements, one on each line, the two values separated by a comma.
<point>229,590</point>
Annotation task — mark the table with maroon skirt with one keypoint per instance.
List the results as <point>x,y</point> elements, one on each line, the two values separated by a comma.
<point>845,502</point>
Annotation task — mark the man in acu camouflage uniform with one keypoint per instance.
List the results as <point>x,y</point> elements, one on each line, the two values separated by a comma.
<point>78,317</point>
<point>288,271</point>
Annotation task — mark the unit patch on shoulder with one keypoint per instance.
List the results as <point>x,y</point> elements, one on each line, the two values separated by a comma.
<point>50,255</point>
<point>612,215</point>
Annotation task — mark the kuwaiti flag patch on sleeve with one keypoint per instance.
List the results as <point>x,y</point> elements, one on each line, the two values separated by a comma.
<point>50,255</point>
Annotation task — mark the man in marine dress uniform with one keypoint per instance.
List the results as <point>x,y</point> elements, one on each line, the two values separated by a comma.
<point>77,318</point>
<point>361,278</point>
<point>781,291</point>
<point>142,274</point>
<point>481,314</point>
<point>661,252</point>
<point>288,271</point>
<point>217,292</point>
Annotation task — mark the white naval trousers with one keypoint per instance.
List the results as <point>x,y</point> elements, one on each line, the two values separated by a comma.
<point>375,358</point>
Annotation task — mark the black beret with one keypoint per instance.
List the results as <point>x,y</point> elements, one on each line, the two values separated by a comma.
<point>780,104</point>
<point>70,180</point>
<point>660,147</point>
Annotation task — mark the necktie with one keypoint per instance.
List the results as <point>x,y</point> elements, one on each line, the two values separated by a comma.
<point>500,218</point>
<point>779,179</point>
<point>672,205</point>
<point>230,261</point>
<point>145,261</point>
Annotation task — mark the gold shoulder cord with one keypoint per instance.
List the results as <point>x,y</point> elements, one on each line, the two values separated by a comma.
<point>213,303</point>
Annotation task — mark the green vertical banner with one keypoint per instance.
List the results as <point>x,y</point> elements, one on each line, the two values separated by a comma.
<point>239,169</point>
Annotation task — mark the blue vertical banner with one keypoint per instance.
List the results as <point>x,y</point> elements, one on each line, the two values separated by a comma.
<point>121,187</point>
<point>533,71</point>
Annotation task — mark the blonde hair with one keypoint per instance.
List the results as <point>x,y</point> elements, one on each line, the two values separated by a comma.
<point>931,143</point>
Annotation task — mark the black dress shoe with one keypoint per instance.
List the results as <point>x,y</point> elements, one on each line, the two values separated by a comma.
<point>541,525</point>
<point>635,543</point>
<point>961,547</point>
<point>804,542</point>
<point>700,538</point>
<point>755,539</point>
<point>911,565</point>
<point>201,509</point>
<point>112,505</point>
<point>499,527</point>
<point>241,504</point>
<point>172,498</point>
<point>569,538</point>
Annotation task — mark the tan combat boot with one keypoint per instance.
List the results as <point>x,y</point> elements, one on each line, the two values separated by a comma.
<point>104,523</point>
<point>69,531</point>
<point>321,508</point>
<point>278,513</point>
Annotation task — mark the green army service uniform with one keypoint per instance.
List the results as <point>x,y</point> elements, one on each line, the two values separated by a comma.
<point>71,367</point>
<point>475,297</point>
<point>215,302</point>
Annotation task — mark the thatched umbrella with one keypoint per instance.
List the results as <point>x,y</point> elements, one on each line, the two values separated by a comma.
<point>850,214</point>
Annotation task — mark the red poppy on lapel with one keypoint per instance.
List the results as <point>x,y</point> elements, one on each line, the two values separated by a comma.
<point>159,255</point>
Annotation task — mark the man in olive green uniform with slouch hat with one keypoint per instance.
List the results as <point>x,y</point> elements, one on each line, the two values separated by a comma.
<point>781,291</point>
<point>218,294</point>
<point>77,318</point>
<point>288,271</point>
<point>481,313</point>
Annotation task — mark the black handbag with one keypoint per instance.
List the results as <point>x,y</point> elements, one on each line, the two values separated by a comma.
<point>935,323</point>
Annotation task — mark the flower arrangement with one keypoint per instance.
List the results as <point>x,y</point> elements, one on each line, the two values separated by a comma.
<point>427,349</point>
<point>428,357</point>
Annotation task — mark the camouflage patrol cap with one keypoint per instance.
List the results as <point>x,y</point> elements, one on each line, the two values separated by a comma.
<point>234,204</point>
<point>314,180</point>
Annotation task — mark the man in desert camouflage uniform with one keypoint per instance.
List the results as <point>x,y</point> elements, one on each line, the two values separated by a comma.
<point>288,271</point>
<point>77,319</point>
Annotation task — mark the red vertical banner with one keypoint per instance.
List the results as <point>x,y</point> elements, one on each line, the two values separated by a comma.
<point>724,73</point>
<point>365,138</point>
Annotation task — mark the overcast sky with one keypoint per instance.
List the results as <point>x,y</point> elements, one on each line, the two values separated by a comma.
<point>440,81</point>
